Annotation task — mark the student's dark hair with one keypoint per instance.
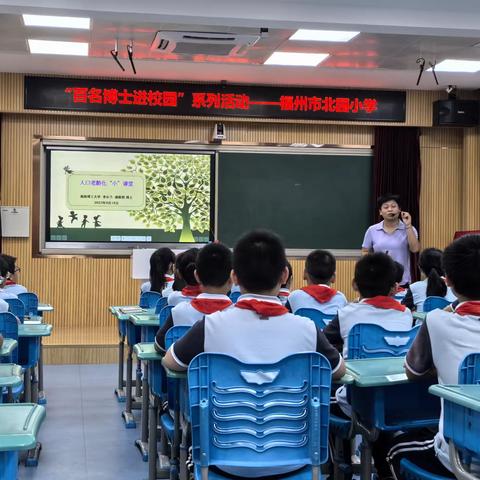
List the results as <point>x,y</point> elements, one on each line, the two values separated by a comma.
<point>4,269</point>
<point>160,262</point>
<point>259,261</point>
<point>375,274</point>
<point>11,261</point>
<point>387,197</point>
<point>320,265</point>
<point>461,261</point>
<point>214,265</point>
<point>186,264</point>
<point>398,272</point>
<point>290,273</point>
<point>430,262</point>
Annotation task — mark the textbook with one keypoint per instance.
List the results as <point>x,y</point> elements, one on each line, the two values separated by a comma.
<point>132,309</point>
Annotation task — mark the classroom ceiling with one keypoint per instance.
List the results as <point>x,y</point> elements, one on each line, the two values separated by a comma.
<point>393,35</point>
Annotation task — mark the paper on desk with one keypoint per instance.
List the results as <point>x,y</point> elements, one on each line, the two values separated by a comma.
<point>396,377</point>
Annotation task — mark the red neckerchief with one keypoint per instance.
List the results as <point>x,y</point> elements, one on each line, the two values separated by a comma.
<point>400,289</point>
<point>321,293</point>
<point>264,309</point>
<point>168,278</point>
<point>388,303</point>
<point>191,291</point>
<point>284,292</point>
<point>469,308</point>
<point>210,305</point>
<point>9,282</point>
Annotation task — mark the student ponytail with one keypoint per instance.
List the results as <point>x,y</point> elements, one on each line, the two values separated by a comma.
<point>160,262</point>
<point>186,265</point>
<point>431,265</point>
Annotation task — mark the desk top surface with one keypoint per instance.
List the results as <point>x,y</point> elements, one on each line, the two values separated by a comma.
<point>464,395</point>
<point>124,312</point>
<point>10,375</point>
<point>19,424</point>
<point>145,319</point>
<point>45,307</point>
<point>419,316</point>
<point>9,345</point>
<point>36,330</point>
<point>377,372</point>
<point>146,351</point>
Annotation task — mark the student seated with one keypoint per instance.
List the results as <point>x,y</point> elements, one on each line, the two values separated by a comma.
<point>258,329</point>
<point>444,340</point>
<point>11,285</point>
<point>213,269</point>
<point>284,291</point>
<point>161,272</point>
<point>184,272</point>
<point>319,273</point>
<point>432,283</point>
<point>4,277</point>
<point>400,292</point>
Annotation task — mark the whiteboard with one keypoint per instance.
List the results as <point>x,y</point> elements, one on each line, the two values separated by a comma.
<point>141,262</point>
<point>15,221</point>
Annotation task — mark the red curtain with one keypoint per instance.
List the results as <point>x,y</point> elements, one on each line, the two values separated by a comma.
<point>397,170</point>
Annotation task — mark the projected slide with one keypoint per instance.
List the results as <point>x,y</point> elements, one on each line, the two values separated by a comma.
<point>129,196</point>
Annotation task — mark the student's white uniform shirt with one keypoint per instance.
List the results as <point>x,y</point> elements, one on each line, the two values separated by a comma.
<point>15,289</point>
<point>184,314</point>
<point>361,312</point>
<point>3,306</point>
<point>176,297</point>
<point>443,341</point>
<point>300,299</point>
<point>147,286</point>
<point>235,288</point>
<point>4,294</point>
<point>419,294</point>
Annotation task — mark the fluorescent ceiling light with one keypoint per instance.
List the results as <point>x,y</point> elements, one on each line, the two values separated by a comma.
<point>297,59</point>
<point>451,65</point>
<point>323,35</point>
<point>57,22</point>
<point>58,48</point>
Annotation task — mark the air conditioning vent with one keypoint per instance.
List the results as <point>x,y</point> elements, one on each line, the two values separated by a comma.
<point>203,43</point>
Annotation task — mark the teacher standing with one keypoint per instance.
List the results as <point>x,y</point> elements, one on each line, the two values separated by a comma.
<point>394,235</point>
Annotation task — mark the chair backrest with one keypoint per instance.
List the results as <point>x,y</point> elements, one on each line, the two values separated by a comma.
<point>431,303</point>
<point>160,304</point>
<point>9,329</point>
<point>366,340</point>
<point>16,306</point>
<point>254,415</point>
<point>234,296</point>
<point>30,300</point>
<point>469,371</point>
<point>149,299</point>
<point>320,319</point>
<point>164,313</point>
<point>174,333</point>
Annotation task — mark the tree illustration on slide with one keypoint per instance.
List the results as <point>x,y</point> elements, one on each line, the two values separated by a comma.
<point>177,192</point>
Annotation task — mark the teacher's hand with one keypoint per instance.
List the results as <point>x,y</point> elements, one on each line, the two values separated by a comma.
<point>407,219</point>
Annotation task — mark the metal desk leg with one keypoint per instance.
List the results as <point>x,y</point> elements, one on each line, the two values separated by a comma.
<point>366,459</point>
<point>142,444</point>
<point>138,381</point>
<point>127,413</point>
<point>42,399</point>
<point>27,382</point>
<point>163,468</point>
<point>34,386</point>
<point>120,391</point>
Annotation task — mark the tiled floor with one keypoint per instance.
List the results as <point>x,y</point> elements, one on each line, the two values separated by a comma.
<point>83,435</point>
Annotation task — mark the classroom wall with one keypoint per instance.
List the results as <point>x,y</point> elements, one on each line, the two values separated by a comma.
<point>81,289</point>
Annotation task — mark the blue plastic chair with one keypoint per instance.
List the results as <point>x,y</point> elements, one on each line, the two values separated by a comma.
<point>372,341</point>
<point>432,303</point>
<point>9,329</point>
<point>469,371</point>
<point>16,306</point>
<point>164,313</point>
<point>149,299</point>
<point>319,318</point>
<point>30,300</point>
<point>234,296</point>
<point>259,416</point>
<point>161,304</point>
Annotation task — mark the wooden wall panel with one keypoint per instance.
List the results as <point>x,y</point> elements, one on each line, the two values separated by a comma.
<point>471,180</point>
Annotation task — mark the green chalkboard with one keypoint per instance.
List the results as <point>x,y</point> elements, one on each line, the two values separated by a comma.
<point>319,200</point>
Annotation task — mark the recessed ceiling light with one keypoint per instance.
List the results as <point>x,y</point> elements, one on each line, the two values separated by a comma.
<point>297,59</point>
<point>451,65</point>
<point>58,22</point>
<point>323,35</point>
<point>58,48</point>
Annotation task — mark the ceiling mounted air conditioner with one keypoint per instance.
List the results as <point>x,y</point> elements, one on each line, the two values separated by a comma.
<point>203,43</point>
